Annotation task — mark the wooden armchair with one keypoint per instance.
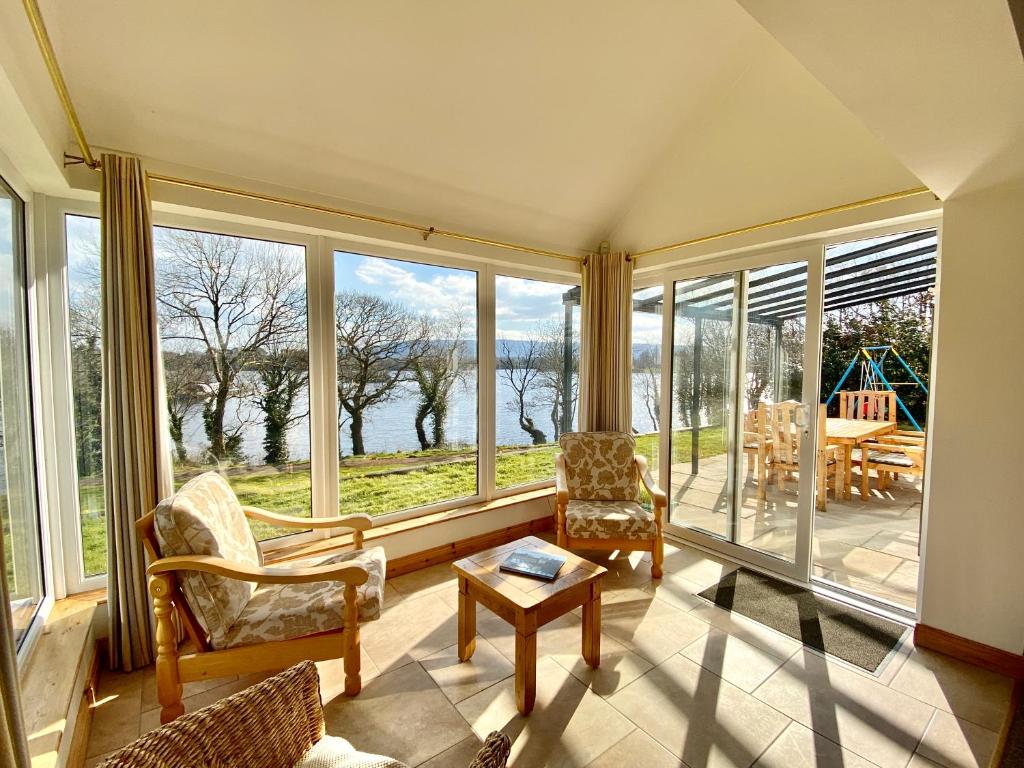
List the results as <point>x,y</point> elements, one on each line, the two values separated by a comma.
<point>597,484</point>
<point>207,578</point>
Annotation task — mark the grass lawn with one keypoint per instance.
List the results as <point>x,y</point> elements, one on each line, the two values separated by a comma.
<point>376,484</point>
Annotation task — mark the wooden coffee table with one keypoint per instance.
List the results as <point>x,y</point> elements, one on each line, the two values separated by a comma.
<point>528,604</point>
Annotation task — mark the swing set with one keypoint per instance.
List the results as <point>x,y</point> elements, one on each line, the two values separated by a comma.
<point>872,376</point>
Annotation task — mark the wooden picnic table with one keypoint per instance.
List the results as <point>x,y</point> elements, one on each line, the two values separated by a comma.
<point>848,433</point>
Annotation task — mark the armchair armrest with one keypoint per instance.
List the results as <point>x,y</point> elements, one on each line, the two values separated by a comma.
<point>232,569</point>
<point>357,522</point>
<point>656,494</point>
<point>561,486</point>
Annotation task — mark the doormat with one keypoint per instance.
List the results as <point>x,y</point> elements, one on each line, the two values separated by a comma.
<point>829,626</point>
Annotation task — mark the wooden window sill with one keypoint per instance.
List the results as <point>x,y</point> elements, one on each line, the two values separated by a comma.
<point>333,543</point>
<point>55,664</point>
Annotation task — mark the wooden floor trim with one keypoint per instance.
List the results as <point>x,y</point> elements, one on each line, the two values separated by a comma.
<point>468,546</point>
<point>970,651</point>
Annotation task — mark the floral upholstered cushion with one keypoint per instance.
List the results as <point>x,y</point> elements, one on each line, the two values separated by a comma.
<point>285,611</point>
<point>205,518</point>
<point>609,520</point>
<point>600,466</point>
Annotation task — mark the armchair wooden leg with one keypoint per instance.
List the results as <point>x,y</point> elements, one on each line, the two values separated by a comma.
<point>658,556</point>
<point>168,685</point>
<point>560,537</point>
<point>353,679</point>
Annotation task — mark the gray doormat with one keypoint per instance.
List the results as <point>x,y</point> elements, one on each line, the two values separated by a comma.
<point>839,630</point>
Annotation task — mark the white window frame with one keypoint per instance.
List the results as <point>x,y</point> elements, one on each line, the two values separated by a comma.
<point>29,243</point>
<point>320,248</point>
<point>516,271</point>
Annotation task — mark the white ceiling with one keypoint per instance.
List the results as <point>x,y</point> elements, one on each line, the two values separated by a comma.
<point>554,124</point>
<point>532,120</point>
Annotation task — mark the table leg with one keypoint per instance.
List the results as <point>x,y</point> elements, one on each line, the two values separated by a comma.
<point>592,627</point>
<point>864,484</point>
<point>848,471</point>
<point>526,671</point>
<point>467,621</point>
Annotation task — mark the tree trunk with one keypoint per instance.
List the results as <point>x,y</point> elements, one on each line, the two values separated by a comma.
<point>357,433</point>
<point>440,411</point>
<point>421,416</point>
<point>213,416</point>
<point>527,425</point>
<point>175,424</point>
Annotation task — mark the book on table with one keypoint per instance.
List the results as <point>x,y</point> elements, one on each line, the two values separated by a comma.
<point>533,562</point>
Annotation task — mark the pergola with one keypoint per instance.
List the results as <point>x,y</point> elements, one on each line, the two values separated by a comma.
<point>856,273</point>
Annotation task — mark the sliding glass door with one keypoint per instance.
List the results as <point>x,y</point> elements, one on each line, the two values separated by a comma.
<point>742,417</point>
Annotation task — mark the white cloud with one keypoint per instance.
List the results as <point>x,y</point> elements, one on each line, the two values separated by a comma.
<point>442,292</point>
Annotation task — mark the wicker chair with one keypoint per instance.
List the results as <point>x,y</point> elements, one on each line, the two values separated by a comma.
<point>597,483</point>
<point>207,578</point>
<point>278,723</point>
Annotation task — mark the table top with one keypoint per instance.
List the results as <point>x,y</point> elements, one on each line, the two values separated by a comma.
<point>522,591</point>
<point>856,430</point>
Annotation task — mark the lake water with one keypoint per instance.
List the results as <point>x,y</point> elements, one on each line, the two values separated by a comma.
<point>391,426</point>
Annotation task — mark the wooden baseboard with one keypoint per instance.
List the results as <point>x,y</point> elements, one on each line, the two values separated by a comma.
<point>970,651</point>
<point>469,546</point>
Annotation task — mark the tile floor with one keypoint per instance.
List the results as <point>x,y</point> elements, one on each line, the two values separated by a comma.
<point>865,544</point>
<point>682,683</point>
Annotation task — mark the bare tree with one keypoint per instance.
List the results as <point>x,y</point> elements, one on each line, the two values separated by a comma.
<point>436,372</point>
<point>522,372</point>
<point>230,299</point>
<point>559,374</point>
<point>379,342</point>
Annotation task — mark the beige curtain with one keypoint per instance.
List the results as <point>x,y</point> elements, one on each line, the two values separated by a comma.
<point>13,744</point>
<point>137,472</point>
<point>606,325</point>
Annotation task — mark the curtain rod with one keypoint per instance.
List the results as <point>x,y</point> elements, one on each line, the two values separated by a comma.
<point>35,20</point>
<point>425,231</point>
<point>788,220</point>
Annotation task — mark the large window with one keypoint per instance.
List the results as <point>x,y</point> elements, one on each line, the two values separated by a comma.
<point>406,338</point>
<point>83,253</point>
<point>19,510</point>
<point>263,345</point>
<point>537,375</point>
<point>233,328</point>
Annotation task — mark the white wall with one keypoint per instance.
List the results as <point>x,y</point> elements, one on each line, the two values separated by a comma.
<point>973,558</point>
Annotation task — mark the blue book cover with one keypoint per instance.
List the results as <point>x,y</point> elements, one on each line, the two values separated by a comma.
<point>532,562</point>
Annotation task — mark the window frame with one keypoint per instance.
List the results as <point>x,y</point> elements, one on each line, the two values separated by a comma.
<point>24,244</point>
<point>522,273</point>
<point>320,246</point>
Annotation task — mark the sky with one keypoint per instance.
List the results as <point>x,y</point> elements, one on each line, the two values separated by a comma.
<point>522,307</point>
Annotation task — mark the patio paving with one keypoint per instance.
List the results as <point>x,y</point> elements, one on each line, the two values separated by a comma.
<point>868,545</point>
